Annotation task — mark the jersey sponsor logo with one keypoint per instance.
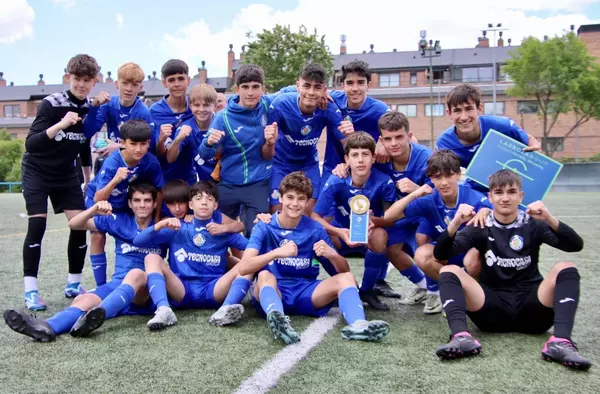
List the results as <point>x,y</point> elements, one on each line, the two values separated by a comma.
<point>305,130</point>
<point>199,240</point>
<point>70,136</point>
<point>309,142</point>
<point>519,263</point>
<point>296,262</point>
<point>116,192</point>
<point>207,259</point>
<point>168,142</point>
<point>127,248</point>
<point>516,242</point>
<point>343,210</point>
<point>439,228</point>
<point>199,160</point>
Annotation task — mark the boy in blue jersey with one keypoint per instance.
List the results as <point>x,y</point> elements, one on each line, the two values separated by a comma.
<point>363,111</point>
<point>300,124</point>
<point>247,146</point>
<point>172,110</point>
<point>183,153</point>
<point>121,167</point>
<point>197,276</point>
<point>465,108</point>
<point>438,207</point>
<point>335,196</point>
<point>114,111</point>
<point>286,253</point>
<point>125,294</point>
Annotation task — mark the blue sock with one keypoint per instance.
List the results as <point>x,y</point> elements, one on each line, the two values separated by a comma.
<point>374,262</point>
<point>351,305</point>
<point>432,284</point>
<point>237,291</point>
<point>99,268</point>
<point>269,300</point>
<point>157,289</point>
<point>119,299</point>
<point>382,273</point>
<point>414,274</point>
<point>328,267</point>
<point>64,320</point>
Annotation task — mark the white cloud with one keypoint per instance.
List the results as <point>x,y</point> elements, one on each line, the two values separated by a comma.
<point>16,21</point>
<point>66,4</point>
<point>385,24</point>
<point>120,21</point>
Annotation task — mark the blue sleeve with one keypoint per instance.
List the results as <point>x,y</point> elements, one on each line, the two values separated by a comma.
<point>237,241</point>
<point>325,237</point>
<point>274,114</point>
<point>334,118</point>
<point>105,224</point>
<point>95,119</point>
<point>417,208</point>
<point>257,237</point>
<point>442,142</point>
<point>288,89</point>
<point>149,237</point>
<point>326,198</point>
<point>157,174</point>
<point>518,133</point>
<point>389,191</point>
<point>105,176</point>
<point>483,202</point>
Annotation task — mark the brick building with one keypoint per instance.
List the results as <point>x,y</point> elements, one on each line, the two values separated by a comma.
<point>400,78</point>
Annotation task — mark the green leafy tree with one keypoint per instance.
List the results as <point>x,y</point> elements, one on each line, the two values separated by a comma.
<point>281,53</point>
<point>5,136</point>
<point>562,77</point>
<point>11,152</point>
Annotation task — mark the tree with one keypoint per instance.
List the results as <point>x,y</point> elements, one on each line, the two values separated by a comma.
<point>281,53</point>
<point>11,152</point>
<point>4,135</point>
<point>562,77</point>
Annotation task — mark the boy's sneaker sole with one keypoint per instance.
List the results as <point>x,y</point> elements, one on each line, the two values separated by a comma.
<point>233,314</point>
<point>376,330</point>
<point>26,325</point>
<point>92,320</point>
<point>281,328</point>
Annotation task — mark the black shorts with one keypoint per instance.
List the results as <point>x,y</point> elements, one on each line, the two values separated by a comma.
<point>64,195</point>
<point>513,311</point>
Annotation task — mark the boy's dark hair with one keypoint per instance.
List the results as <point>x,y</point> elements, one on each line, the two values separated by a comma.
<point>443,162</point>
<point>141,187</point>
<point>83,66</point>
<point>357,67</point>
<point>202,187</point>
<point>393,121</point>
<point>174,66</point>
<point>502,178</point>
<point>313,72</point>
<point>176,190</point>
<point>359,140</point>
<point>296,181</point>
<point>136,131</point>
<point>463,94</point>
<point>249,73</point>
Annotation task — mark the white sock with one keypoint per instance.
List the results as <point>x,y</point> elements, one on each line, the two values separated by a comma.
<point>30,283</point>
<point>74,278</point>
<point>437,293</point>
<point>422,284</point>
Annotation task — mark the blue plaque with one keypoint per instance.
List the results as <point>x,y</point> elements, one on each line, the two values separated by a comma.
<point>497,151</point>
<point>359,219</point>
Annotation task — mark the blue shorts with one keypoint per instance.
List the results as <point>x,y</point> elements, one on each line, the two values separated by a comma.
<point>281,170</point>
<point>133,309</point>
<point>198,295</point>
<point>455,260</point>
<point>296,296</point>
<point>403,232</point>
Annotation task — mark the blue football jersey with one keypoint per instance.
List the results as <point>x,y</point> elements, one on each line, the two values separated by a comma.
<point>203,168</point>
<point>437,214</point>
<point>337,193</point>
<point>300,133</point>
<point>148,169</point>
<point>124,228</point>
<point>503,125</point>
<point>268,237</point>
<point>365,119</point>
<point>163,114</point>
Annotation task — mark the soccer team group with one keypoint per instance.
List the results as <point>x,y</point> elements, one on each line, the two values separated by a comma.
<point>208,199</point>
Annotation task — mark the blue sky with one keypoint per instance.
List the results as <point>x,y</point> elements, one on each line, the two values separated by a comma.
<point>40,36</point>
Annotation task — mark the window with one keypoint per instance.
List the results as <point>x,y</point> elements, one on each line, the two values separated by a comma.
<point>527,107</point>
<point>478,74</point>
<point>410,110</point>
<point>12,111</point>
<point>438,109</point>
<point>413,78</point>
<point>554,144</point>
<point>387,80</point>
<point>488,108</point>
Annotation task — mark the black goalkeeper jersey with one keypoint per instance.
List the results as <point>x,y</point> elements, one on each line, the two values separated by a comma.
<point>53,160</point>
<point>509,252</point>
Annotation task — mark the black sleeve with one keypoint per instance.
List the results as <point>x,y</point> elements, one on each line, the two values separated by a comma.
<point>447,246</point>
<point>86,155</point>
<point>565,239</point>
<point>37,139</point>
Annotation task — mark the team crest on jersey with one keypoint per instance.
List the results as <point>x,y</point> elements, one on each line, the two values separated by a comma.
<point>283,242</point>
<point>199,240</point>
<point>263,120</point>
<point>348,118</point>
<point>275,194</point>
<point>305,130</point>
<point>447,220</point>
<point>516,242</point>
<point>119,125</point>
